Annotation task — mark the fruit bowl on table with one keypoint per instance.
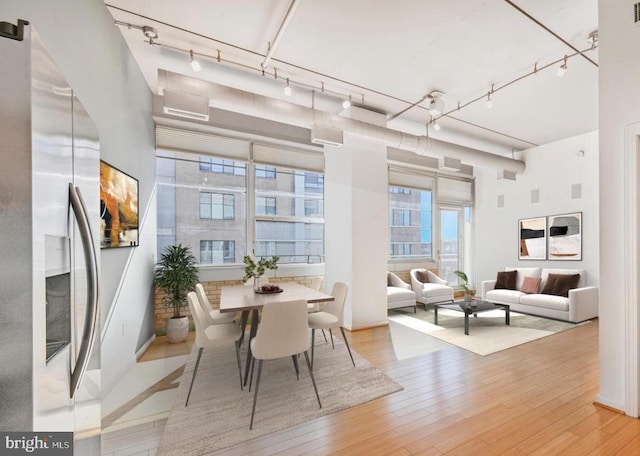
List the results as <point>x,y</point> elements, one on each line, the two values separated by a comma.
<point>268,288</point>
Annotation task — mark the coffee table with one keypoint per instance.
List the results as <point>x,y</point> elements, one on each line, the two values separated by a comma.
<point>474,308</point>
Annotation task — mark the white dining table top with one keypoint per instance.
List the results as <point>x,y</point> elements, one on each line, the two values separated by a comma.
<point>242,297</point>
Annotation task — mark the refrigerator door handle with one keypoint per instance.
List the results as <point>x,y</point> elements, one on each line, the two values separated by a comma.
<point>91,315</point>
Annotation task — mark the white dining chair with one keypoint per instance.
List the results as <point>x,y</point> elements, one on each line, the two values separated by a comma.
<point>331,317</point>
<point>212,316</point>
<point>283,332</point>
<point>208,336</point>
<point>316,284</point>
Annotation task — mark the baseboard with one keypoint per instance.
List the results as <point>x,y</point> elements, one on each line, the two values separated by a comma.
<point>144,347</point>
<point>609,405</point>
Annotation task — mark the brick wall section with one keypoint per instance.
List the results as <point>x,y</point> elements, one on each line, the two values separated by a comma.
<point>212,290</point>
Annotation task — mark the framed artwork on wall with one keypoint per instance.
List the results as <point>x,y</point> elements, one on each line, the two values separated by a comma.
<point>565,236</point>
<point>533,241</point>
<point>118,208</point>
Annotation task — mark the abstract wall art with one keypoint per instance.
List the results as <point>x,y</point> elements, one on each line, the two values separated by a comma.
<point>565,236</point>
<point>533,241</point>
<point>118,208</point>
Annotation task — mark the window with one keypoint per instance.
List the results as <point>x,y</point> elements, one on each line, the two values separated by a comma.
<point>265,205</point>
<point>217,206</point>
<point>314,181</point>
<point>266,172</point>
<point>196,205</point>
<point>295,230</point>
<point>400,190</point>
<point>202,203</point>
<point>217,252</point>
<point>219,165</point>
<point>410,223</point>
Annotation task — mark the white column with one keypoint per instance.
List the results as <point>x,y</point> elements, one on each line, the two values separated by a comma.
<point>357,228</point>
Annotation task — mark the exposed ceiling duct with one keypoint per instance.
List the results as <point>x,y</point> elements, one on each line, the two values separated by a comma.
<point>251,104</point>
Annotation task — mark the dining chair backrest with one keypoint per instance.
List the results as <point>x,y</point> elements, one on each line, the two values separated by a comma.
<point>283,330</point>
<point>336,307</point>
<point>202,296</point>
<point>198,318</point>
<point>316,283</point>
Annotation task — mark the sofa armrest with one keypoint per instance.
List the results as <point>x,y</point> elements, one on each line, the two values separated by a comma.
<point>487,285</point>
<point>583,304</point>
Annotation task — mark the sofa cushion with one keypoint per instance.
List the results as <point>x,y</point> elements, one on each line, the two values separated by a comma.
<point>530,285</point>
<point>560,284</point>
<point>524,272</point>
<point>506,280</point>
<point>422,276</point>
<point>581,283</point>
<point>436,290</point>
<point>395,294</point>
<point>546,301</point>
<point>504,296</point>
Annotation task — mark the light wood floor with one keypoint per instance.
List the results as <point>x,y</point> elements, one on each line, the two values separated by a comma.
<point>534,399</point>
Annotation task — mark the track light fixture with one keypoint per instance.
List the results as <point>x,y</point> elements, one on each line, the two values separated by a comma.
<point>194,63</point>
<point>346,103</point>
<point>489,100</point>
<point>150,33</point>
<point>287,89</point>
<point>563,68</point>
<point>436,103</point>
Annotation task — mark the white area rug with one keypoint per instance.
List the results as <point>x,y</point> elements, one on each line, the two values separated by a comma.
<point>219,412</point>
<point>488,332</point>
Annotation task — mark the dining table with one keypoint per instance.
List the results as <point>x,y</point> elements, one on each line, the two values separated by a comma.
<point>243,298</point>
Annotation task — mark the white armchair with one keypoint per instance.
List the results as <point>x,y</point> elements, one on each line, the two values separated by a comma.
<point>399,293</point>
<point>435,290</point>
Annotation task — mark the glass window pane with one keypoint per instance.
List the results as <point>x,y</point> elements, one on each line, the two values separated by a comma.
<point>410,220</point>
<point>293,242</point>
<point>196,200</point>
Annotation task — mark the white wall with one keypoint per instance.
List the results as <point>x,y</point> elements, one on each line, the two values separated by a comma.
<point>357,227</point>
<point>619,107</point>
<point>89,49</point>
<point>552,169</point>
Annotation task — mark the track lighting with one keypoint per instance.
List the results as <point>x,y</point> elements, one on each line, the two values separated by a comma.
<point>489,101</point>
<point>346,103</point>
<point>436,125</point>
<point>287,89</point>
<point>563,68</point>
<point>436,105</point>
<point>194,63</point>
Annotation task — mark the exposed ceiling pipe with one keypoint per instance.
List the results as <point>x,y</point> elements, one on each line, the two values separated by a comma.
<point>276,39</point>
<point>252,104</point>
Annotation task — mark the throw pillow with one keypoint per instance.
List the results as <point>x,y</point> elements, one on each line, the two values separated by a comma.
<point>506,280</point>
<point>389,281</point>
<point>530,285</point>
<point>422,276</point>
<point>560,284</point>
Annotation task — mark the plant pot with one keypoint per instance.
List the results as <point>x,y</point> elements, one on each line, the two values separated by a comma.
<point>177,329</point>
<point>256,283</point>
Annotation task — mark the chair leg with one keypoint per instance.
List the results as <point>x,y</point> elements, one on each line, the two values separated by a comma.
<point>331,334</point>
<point>347,344</point>
<point>253,363</point>
<point>325,336</point>
<point>239,365</point>
<point>243,323</point>
<point>313,345</point>
<point>295,364</point>
<point>313,380</point>
<point>255,394</point>
<point>195,371</point>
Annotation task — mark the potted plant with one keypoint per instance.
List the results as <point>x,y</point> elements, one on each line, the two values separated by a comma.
<point>464,285</point>
<point>256,270</point>
<point>176,274</point>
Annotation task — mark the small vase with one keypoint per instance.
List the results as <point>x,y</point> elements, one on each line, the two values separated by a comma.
<point>256,283</point>
<point>467,300</point>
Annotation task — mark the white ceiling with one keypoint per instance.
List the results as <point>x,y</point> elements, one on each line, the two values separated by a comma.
<point>393,54</point>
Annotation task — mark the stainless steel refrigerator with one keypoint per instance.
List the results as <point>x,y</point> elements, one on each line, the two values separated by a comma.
<point>49,203</point>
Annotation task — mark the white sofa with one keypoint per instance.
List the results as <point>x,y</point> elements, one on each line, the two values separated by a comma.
<point>437,290</point>
<point>399,293</point>
<point>581,305</point>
